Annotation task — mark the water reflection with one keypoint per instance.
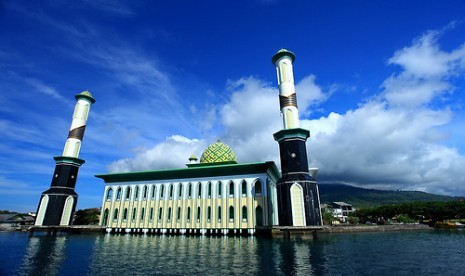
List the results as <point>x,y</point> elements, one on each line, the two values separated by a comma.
<point>367,253</point>
<point>44,256</point>
<point>171,255</point>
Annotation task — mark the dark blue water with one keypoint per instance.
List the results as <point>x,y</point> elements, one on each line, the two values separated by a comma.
<point>391,253</point>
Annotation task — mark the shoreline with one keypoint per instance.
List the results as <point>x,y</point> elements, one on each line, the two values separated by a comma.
<point>375,228</point>
<point>325,229</point>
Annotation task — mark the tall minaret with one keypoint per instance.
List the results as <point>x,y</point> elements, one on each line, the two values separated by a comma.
<point>298,197</point>
<point>58,203</point>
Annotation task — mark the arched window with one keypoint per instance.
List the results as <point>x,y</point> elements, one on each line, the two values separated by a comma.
<point>171,191</point>
<point>199,192</point>
<point>179,214</point>
<point>125,214</point>
<point>154,189</point>
<point>169,215</point>
<point>162,191</point>
<point>151,214</point>
<point>259,216</point>
<point>188,214</point>
<point>209,189</point>
<point>231,189</point>
<point>105,217</point>
<point>258,188</point>
<point>144,196</point>
<point>128,193</point>
<point>160,214</point>
<point>209,213</point>
<point>134,214</point>
<point>219,188</point>
<point>244,213</point>
<point>219,213</point>
<point>189,190</point>
<point>118,194</point>
<point>231,214</point>
<point>136,193</point>
<point>244,188</point>
<point>109,194</point>
<point>115,214</point>
<point>142,213</point>
<point>180,190</point>
<point>198,214</point>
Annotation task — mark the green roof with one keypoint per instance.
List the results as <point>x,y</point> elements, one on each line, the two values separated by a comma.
<point>281,53</point>
<point>196,172</point>
<point>85,94</point>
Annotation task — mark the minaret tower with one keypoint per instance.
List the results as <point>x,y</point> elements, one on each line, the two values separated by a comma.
<point>58,203</point>
<point>298,197</point>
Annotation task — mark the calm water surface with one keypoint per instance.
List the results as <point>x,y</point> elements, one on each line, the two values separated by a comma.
<point>395,253</point>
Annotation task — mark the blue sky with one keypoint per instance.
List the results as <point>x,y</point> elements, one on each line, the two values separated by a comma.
<point>380,85</point>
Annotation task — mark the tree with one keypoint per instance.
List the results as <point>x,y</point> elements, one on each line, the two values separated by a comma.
<point>87,216</point>
<point>328,216</point>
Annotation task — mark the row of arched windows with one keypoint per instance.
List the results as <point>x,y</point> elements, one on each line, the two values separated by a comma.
<point>128,189</point>
<point>244,215</point>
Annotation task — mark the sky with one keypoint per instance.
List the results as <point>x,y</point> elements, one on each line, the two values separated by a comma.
<point>380,85</point>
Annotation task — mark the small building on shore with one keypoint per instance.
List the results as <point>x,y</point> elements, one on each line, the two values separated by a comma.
<point>342,210</point>
<point>15,221</point>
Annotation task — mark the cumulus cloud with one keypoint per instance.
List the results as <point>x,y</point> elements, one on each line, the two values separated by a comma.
<point>426,71</point>
<point>394,140</point>
<point>171,153</point>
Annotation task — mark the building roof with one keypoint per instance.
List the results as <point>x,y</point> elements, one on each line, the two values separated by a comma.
<point>199,171</point>
<point>218,152</point>
<point>340,203</point>
<point>8,218</point>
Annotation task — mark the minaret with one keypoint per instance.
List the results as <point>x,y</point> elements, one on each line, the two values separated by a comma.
<point>297,192</point>
<point>58,203</point>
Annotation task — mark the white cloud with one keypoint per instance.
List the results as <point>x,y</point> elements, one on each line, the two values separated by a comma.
<point>171,153</point>
<point>426,72</point>
<point>392,141</point>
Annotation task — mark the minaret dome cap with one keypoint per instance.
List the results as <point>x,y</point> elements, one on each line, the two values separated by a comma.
<point>85,94</point>
<point>281,53</point>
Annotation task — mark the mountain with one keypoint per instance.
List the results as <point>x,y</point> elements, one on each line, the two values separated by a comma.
<point>361,197</point>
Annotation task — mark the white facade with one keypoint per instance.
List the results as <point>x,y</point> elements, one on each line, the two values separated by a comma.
<point>237,203</point>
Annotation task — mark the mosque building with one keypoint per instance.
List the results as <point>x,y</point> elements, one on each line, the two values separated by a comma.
<point>218,195</point>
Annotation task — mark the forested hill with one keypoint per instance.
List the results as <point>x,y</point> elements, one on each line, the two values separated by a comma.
<point>360,197</point>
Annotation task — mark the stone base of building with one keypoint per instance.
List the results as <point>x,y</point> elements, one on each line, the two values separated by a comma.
<point>57,230</point>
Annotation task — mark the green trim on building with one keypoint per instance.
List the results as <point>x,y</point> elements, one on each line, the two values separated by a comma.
<point>281,53</point>
<point>292,133</point>
<point>213,170</point>
<point>69,160</point>
<point>210,164</point>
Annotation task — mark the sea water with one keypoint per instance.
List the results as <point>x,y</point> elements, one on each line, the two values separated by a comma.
<point>436,252</point>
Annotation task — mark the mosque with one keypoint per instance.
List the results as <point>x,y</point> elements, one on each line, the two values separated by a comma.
<point>216,194</point>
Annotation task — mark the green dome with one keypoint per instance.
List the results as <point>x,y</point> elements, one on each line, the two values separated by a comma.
<point>218,152</point>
